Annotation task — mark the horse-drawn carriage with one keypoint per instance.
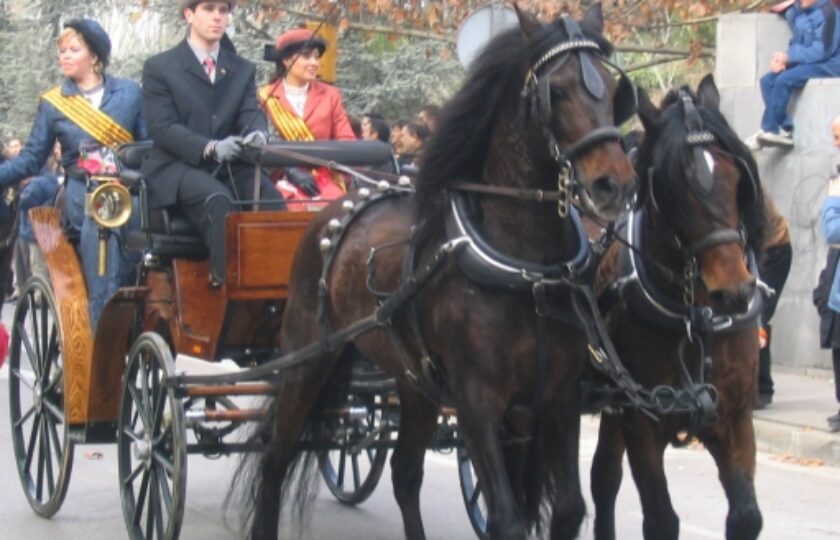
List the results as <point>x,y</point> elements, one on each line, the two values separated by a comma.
<point>473,293</point>
<point>71,384</point>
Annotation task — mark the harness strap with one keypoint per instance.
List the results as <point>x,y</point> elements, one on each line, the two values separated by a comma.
<point>718,237</point>
<point>92,121</point>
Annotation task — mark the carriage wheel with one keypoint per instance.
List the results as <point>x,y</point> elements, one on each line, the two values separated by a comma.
<point>40,434</point>
<point>473,496</point>
<point>353,471</point>
<point>151,444</point>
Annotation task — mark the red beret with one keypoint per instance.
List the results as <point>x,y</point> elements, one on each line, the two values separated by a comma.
<point>292,41</point>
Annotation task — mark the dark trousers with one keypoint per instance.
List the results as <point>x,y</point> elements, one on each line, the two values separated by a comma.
<point>206,200</point>
<point>835,360</point>
<point>773,271</point>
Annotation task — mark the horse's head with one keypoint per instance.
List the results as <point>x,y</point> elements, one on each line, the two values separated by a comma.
<point>703,183</point>
<point>571,106</point>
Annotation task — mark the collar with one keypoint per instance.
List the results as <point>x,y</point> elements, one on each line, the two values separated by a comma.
<point>201,54</point>
<point>70,88</point>
<point>484,264</point>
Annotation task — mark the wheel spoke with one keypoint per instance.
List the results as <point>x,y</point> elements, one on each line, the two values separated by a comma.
<point>36,334</point>
<point>25,417</point>
<point>39,483</point>
<point>59,449</point>
<point>48,457</point>
<point>140,407</point>
<point>30,353</point>
<point>56,382</point>
<point>133,436</point>
<point>476,494</point>
<point>342,458</point>
<point>166,493</point>
<point>151,507</point>
<point>45,335</point>
<point>140,503</point>
<point>356,476</point>
<point>164,461</point>
<point>30,448</point>
<point>54,410</point>
<point>133,476</point>
<point>28,382</point>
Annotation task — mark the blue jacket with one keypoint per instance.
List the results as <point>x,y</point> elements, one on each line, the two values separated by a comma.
<point>122,101</point>
<point>810,44</point>
<point>830,219</point>
<point>39,192</point>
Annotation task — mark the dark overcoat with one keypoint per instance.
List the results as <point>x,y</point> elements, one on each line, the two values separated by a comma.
<point>829,319</point>
<point>185,111</point>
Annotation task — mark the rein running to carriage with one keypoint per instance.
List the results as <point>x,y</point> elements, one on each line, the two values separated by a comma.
<point>483,264</point>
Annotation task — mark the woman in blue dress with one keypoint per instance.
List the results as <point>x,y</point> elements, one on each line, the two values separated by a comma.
<point>88,109</point>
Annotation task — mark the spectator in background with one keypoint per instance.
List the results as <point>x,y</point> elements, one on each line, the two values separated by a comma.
<point>827,293</point>
<point>773,270</point>
<point>13,148</point>
<point>813,52</point>
<point>396,135</point>
<point>414,135</point>
<point>375,128</point>
<point>429,115</point>
<point>37,191</point>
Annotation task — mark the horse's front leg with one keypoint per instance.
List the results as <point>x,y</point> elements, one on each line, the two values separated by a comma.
<point>733,449</point>
<point>479,418</point>
<point>646,443</point>
<point>606,474</point>
<point>418,421</point>
<point>563,444</point>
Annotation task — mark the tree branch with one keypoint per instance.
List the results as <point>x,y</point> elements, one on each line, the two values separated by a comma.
<point>689,22</point>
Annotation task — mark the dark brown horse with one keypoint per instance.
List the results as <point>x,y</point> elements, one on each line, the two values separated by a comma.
<point>464,256</point>
<point>686,313</point>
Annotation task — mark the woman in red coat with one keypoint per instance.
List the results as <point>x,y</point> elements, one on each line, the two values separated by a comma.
<point>296,90</point>
<point>302,108</point>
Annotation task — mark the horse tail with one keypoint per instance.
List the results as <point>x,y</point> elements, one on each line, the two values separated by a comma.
<point>258,474</point>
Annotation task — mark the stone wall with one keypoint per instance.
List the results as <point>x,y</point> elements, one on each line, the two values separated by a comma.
<point>796,179</point>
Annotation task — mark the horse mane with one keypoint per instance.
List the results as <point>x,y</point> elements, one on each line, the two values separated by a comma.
<point>669,155</point>
<point>458,149</point>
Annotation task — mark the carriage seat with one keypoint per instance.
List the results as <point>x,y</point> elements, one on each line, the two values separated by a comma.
<point>165,232</point>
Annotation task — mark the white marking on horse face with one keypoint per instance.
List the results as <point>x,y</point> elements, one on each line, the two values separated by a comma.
<point>710,161</point>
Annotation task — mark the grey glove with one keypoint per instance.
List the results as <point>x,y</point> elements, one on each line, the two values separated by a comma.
<point>228,148</point>
<point>255,137</point>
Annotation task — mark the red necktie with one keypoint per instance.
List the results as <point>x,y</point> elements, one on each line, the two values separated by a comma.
<point>210,67</point>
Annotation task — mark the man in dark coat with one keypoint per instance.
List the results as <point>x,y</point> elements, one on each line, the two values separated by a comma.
<point>201,109</point>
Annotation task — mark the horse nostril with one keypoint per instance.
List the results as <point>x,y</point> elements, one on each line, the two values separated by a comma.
<point>733,302</point>
<point>605,187</point>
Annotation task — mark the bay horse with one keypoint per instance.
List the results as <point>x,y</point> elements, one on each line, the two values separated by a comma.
<point>685,312</point>
<point>532,128</point>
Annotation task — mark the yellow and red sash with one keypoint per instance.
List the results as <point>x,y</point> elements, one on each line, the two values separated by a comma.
<point>94,122</point>
<point>289,125</point>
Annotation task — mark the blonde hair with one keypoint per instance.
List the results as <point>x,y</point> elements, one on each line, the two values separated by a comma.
<point>68,33</point>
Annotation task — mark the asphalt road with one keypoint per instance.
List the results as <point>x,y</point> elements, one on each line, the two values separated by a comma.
<point>797,501</point>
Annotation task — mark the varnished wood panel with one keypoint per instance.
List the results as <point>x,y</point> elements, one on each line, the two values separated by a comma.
<point>110,347</point>
<point>260,251</point>
<point>72,300</point>
<point>199,309</point>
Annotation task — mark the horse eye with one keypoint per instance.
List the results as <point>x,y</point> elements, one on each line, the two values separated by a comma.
<point>558,94</point>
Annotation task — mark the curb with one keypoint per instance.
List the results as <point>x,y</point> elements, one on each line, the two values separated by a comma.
<point>797,441</point>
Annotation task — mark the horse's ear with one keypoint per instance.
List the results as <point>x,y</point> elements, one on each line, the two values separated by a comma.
<point>708,93</point>
<point>593,20</point>
<point>647,111</point>
<point>527,21</point>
